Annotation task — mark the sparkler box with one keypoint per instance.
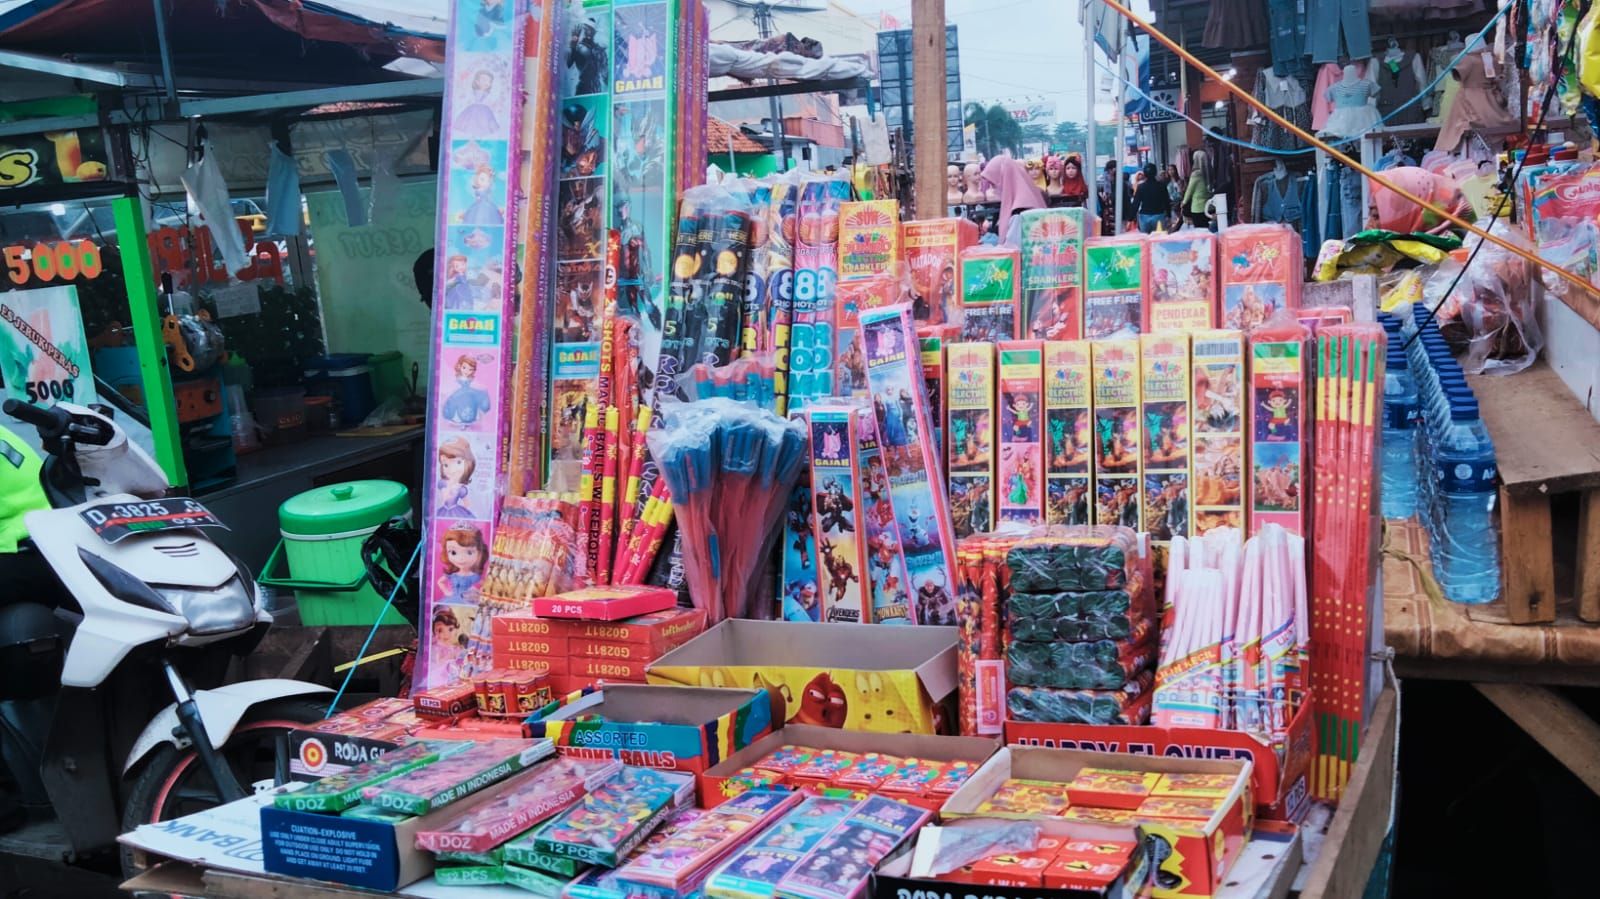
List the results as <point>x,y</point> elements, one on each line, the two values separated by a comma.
<point>1020,463</point>
<point>715,789</point>
<point>1218,470</point>
<point>1068,428</point>
<point>1118,436</point>
<point>672,728</point>
<point>607,603</point>
<point>934,338</point>
<point>1114,294</point>
<point>933,250</point>
<point>869,238</point>
<point>374,854</point>
<point>1201,851</point>
<point>1168,422</point>
<point>1181,282</point>
<point>1052,273</point>
<point>836,503</point>
<point>888,577</point>
<point>1280,781</point>
<point>991,294</point>
<point>1278,457</point>
<point>969,460</point>
<point>883,679</point>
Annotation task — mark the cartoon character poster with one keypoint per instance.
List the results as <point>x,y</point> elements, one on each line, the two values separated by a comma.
<point>1118,447</point>
<point>1021,463</point>
<point>1069,431</point>
<point>586,56</point>
<point>835,509</point>
<point>1277,424</point>
<point>585,123</point>
<point>579,232</point>
<point>1246,307</point>
<point>1183,282</point>
<point>888,580</point>
<point>969,457</point>
<point>640,48</point>
<point>802,600</point>
<point>580,287</point>
<point>474,299</point>
<point>1217,488</point>
<point>1277,477</point>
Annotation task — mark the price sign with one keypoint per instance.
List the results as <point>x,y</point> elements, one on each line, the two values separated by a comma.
<point>48,262</point>
<point>44,356</point>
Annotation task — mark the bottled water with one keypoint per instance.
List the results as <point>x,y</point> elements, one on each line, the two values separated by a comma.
<point>1466,543</point>
<point>1399,443</point>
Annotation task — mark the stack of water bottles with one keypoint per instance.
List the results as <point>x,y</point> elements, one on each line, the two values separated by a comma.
<point>1438,460</point>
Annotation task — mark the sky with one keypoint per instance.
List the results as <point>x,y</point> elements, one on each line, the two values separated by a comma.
<point>1013,48</point>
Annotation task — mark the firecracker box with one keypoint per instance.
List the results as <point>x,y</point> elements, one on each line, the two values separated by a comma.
<point>934,339</point>
<point>933,249</point>
<point>352,737</point>
<point>1217,482</point>
<point>607,669</point>
<point>722,781</point>
<point>1020,443</point>
<point>1053,273</point>
<point>1280,461</point>
<point>1197,854</point>
<point>869,238</point>
<point>553,666</point>
<point>1279,783</point>
<point>513,644</point>
<point>836,506</point>
<point>378,853</point>
<point>1114,286</point>
<point>1118,433</point>
<point>685,729</point>
<point>888,577</point>
<point>890,680</point>
<point>1181,283</point>
<point>606,603</point>
<point>970,408</point>
<point>1165,387</point>
<point>1068,432</point>
<point>991,294</point>
<point>1079,861</point>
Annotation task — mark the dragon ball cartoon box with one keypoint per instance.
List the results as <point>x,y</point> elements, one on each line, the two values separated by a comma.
<point>1190,856</point>
<point>685,729</point>
<point>882,679</point>
<point>721,782</point>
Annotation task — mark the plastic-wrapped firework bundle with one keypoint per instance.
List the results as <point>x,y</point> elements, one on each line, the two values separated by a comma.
<point>1261,274</point>
<point>604,883</point>
<point>1114,286</point>
<point>870,292</point>
<point>922,514</point>
<point>1278,434</point>
<point>781,223</point>
<point>991,294</point>
<point>1077,558</point>
<point>934,338</point>
<point>933,250</point>
<point>888,578</point>
<point>980,655</point>
<point>338,792</point>
<point>1052,272</point>
<point>445,781</point>
<point>613,818</point>
<point>1181,282</point>
<point>1130,705</point>
<point>1094,665</point>
<point>1079,615</point>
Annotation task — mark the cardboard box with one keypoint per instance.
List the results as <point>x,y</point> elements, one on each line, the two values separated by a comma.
<point>520,645</point>
<point>1068,433</point>
<point>315,754</point>
<point>1165,386</point>
<point>1020,447</point>
<point>549,666</point>
<point>836,504</point>
<point>1281,787</point>
<point>664,629</point>
<point>991,294</point>
<point>675,728</point>
<point>609,669</point>
<point>1197,854</point>
<point>1217,485</point>
<point>890,680</point>
<point>1118,433</point>
<point>1114,285</point>
<point>970,407</point>
<point>609,603</point>
<point>714,786</point>
<point>869,238</point>
<point>933,249</point>
<point>375,855</point>
<point>1069,870</point>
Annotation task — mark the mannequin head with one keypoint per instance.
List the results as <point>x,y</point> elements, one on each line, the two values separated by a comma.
<point>1279,169</point>
<point>1070,170</point>
<point>952,184</point>
<point>974,189</point>
<point>1351,73</point>
<point>1052,166</point>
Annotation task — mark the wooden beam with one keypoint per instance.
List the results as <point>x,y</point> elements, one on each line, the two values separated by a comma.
<point>1555,723</point>
<point>1356,834</point>
<point>928,118</point>
<point>1587,574</point>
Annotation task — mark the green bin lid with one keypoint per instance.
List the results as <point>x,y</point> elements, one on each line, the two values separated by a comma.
<point>341,508</point>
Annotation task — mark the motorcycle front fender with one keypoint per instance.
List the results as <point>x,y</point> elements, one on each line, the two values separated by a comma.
<point>221,709</point>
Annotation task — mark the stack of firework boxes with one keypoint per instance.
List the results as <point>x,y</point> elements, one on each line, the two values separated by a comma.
<point>575,653</point>
<point>880,530</point>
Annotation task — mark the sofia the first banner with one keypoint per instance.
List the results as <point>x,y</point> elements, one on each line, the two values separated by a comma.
<point>474,314</point>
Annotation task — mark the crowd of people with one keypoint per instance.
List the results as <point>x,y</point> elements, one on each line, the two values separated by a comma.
<point>1153,197</point>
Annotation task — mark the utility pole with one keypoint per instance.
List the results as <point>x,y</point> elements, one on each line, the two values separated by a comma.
<point>928,115</point>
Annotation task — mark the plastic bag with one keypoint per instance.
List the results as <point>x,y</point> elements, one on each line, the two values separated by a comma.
<point>1492,308</point>
<point>968,840</point>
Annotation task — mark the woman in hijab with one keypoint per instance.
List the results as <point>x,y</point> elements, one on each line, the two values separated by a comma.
<point>1018,193</point>
<point>1396,213</point>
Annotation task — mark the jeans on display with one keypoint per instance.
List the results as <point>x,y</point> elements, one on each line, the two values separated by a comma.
<point>1148,223</point>
<point>1333,223</point>
<point>1328,20</point>
<point>1286,22</point>
<point>1355,218</point>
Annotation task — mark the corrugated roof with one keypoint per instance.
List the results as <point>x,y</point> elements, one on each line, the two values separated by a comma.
<point>718,133</point>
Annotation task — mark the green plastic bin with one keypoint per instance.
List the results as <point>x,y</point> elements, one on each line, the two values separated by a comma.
<point>322,531</point>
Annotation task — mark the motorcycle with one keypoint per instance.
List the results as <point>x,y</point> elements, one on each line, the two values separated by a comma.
<point>119,619</point>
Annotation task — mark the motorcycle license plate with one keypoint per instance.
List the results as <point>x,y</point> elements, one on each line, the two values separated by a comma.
<point>114,522</point>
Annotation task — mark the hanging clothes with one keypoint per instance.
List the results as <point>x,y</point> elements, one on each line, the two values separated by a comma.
<point>1333,221</point>
<point>1425,10</point>
<point>1353,112</point>
<point>1394,157</point>
<point>1236,25</point>
<point>1321,103</point>
<point>1310,239</point>
<point>1278,200</point>
<point>1287,98</point>
<point>1444,92</point>
<point>1399,80</point>
<point>1478,105</point>
<point>1287,21</point>
<point>1335,29</point>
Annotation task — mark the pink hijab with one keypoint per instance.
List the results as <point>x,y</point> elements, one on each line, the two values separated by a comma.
<point>1395,213</point>
<point>1017,190</point>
